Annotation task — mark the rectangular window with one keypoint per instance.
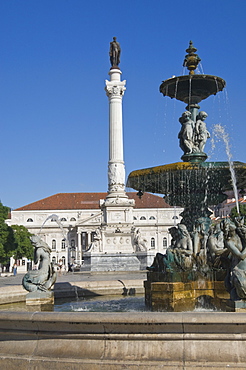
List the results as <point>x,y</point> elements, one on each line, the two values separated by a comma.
<point>152,243</point>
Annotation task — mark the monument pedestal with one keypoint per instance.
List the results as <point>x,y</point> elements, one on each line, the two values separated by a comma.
<point>112,261</point>
<point>40,301</point>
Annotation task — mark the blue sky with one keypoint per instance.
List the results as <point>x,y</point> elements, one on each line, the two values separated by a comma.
<point>53,107</point>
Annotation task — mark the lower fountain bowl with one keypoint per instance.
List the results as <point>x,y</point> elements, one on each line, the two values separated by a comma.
<point>182,182</point>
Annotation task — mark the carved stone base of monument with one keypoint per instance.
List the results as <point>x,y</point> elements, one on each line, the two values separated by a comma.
<point>40,301</point>
<point>179,296</point>
<point>236,306</point>
<point>114,261</point>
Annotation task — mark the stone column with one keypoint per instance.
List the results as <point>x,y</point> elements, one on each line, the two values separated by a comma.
<point>88,239</point>
<point>79,244</point>
<point>116,169</point>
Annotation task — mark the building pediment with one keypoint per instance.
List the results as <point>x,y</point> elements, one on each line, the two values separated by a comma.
<point>93,219</point>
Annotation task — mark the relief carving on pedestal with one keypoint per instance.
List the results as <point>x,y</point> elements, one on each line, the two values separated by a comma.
<point>116,174</point>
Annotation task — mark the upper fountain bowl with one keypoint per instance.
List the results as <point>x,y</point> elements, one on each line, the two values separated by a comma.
<point>191,89</point>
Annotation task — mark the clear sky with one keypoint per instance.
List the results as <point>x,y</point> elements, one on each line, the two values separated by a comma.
<point>53,107</point>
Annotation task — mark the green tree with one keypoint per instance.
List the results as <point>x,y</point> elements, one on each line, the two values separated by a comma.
<point>14,241</point>
<point>4,212</point>
<point>23,245</point>
<point>242,211</point>
<point>7,244</point>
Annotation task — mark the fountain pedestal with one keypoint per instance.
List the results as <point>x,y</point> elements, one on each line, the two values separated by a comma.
<point>40,301</point>
<point>180,296</point>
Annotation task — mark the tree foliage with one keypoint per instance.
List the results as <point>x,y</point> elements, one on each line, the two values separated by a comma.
<point>6,236</point>
<point>14,241</point>
<point>23,245</point>
<point>242,211</point>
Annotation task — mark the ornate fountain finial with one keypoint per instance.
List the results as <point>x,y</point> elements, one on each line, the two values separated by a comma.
<point>191,60</point>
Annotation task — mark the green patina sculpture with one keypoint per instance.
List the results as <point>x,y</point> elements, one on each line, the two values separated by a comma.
<point>209,248</point>
<point>44,277</point>
<point>235,242</point>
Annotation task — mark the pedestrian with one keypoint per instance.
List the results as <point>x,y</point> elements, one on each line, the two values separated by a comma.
<point>15,269</point>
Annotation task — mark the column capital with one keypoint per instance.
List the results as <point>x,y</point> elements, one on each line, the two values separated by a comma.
<point>115,88</point>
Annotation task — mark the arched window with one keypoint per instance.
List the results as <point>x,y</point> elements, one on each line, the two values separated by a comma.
<point>152,243</point>
<point>29,220</point>
<point>142,218</point>
<point>164,242</point>
<point>53,244</point>
<point>63,260</point>
<point>53,259</point>
<point>63,244</point>
<point>152,218</point>
<point>72,219</point>
<point>63,219</point>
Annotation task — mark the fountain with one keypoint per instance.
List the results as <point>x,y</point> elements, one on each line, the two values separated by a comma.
<point>171,340</point>
<point>202,255</point>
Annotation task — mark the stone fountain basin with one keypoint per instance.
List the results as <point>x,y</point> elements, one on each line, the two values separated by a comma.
<point>182,180</point>
<point>120,341</point>
<point>192,88</point>
<point>117,341</point>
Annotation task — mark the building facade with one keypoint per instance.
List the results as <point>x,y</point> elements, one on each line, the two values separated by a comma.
<point>75,228</point>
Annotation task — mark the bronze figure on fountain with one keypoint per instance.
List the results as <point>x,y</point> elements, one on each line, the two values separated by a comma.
<point>44,277</point>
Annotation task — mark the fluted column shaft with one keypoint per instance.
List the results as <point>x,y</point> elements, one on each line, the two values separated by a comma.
<point>116,169</point>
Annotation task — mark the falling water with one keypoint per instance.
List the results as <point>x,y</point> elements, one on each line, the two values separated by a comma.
<point>219,100</point>
<point>176,88</point>
<point>189,91</point>
<point>175,97</point>
<point>200,65</point>
<point>56,219</point>
<point>220,132</point>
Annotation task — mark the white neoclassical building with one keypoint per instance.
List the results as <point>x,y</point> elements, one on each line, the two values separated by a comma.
<point>73,225</point>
